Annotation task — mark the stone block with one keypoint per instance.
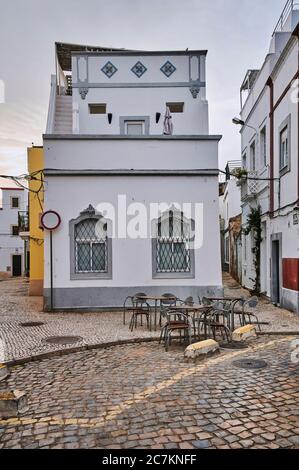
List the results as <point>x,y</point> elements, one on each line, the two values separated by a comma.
<point>244,333</point>
<point>202,349</point>
<point>3,372</point>
<point>12,404</point>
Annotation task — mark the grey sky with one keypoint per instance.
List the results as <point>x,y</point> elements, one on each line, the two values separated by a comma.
<point>236,33</point>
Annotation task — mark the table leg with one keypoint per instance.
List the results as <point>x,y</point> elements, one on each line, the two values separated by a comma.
<point>156,302</point>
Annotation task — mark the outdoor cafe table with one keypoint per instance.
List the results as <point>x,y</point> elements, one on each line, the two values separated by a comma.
<point>189,309</point>
<point>233,301</point>
<point>156,299</point>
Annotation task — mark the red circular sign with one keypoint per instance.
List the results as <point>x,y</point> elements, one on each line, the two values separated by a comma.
<point>50,220</point>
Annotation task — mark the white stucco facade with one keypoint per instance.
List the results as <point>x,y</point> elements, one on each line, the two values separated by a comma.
<point>270,113</point>
<point>100,162</point>
<point>11,245</point>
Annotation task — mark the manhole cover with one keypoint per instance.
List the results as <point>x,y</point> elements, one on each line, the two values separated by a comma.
<point>63,339</point>
<point>250,363</point>
<point>234,345</point>
<point>31,323</point>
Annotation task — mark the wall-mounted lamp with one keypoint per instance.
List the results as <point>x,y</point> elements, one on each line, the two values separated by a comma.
<point>109,117</point>
<point>158,115</point>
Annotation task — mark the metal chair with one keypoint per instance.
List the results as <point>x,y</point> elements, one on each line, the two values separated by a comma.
<point>140,309</point>
<point>175,321</point>
<point>169,301</point>
<point>127,308</point>
<point>245,316</point>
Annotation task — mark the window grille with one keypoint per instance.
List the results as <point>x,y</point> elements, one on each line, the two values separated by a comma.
<point>173,245</point>
<point>91,253</point>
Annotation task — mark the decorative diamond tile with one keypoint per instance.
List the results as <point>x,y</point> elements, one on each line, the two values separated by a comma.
<point>109,69</point>
<point>168,68</point>
<point>139,69</point>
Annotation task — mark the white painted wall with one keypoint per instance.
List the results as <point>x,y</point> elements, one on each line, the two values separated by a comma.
<point>131,154</point>
<point>132,259</point>
<point>127,95</point>
<point>9,244</point>
<point>256,114</point>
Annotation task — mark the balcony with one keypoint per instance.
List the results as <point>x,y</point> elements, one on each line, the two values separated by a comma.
<point>23,221</point>
<point>251,187</point>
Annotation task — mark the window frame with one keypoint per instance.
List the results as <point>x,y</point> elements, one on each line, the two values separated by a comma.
<point>176,104</point>
<point>252,155</point>
<point>285,126</point>
<point>123,120</point>
<point>263,146</point>
<point>12,229</point>
<point>87,214</point>
<point>156,273</point>
<point>92,106</point>
<point>11,202</point>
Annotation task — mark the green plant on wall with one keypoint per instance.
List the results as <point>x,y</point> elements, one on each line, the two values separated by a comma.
<point>254,226</point>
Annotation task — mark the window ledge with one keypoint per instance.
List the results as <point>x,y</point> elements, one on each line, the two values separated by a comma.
<point>174,276</point>
<point>89,276</point>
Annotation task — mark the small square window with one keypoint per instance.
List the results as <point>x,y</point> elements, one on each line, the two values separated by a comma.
<point>175,107</point>
<point>15,202</point>
<point>97,108</point>
<point>135,127</point>
<point>15,230</point>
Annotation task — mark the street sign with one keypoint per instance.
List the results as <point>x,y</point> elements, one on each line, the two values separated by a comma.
<point>50,220</point>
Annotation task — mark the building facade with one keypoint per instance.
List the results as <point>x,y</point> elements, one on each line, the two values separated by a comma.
<point>12,258</point>
<point>35,162</point>
<point>109,164</point>
<point>270,155</point>
<point>230,222</point>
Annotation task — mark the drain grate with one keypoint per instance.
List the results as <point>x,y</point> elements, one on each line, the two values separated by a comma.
<point>250,363</point>
<point>63,339</point>
<point>31,323</point>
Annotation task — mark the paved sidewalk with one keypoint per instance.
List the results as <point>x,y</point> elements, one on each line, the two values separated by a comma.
<point>138,396</point>
<point>16,307</point>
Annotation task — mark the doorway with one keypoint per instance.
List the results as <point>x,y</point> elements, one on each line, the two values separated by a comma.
<point>16,265</point>
<point>276,269</point>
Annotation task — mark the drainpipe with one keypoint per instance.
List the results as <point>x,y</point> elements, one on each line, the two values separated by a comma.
<point>271,115</point>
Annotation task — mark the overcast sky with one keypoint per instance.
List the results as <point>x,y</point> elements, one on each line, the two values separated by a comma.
<point>235,32</point>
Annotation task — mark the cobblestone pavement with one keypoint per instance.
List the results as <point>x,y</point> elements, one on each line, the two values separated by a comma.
<point>93,328</point>
<point>138,396</point>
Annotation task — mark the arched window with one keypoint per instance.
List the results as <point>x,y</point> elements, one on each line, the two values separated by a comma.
<point>172,253</point>
<point>90,246</point>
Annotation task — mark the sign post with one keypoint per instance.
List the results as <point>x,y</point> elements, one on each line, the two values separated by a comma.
<point>50,221</point>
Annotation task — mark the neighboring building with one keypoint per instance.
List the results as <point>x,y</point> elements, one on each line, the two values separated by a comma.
<point>270,153</point>
<point>105,141</point>
<point>12,259</point>
<point>35,161</point>
<point>230,222</point>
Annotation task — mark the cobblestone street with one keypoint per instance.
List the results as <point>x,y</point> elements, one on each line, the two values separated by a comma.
<point>94,328</point>
<point>138,396</point>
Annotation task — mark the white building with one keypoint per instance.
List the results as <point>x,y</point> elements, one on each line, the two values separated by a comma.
<point>105,144</point>
<point>270,153</point>
<point>12,260</point>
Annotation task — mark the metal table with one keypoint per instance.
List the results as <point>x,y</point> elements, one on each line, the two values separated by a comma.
<point>156,299</point>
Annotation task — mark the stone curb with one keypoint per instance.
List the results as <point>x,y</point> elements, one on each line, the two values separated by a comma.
<point>88,347</point>
<point>277,333</point>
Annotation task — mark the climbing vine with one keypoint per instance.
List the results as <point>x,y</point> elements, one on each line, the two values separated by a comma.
<point>254,225</point>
